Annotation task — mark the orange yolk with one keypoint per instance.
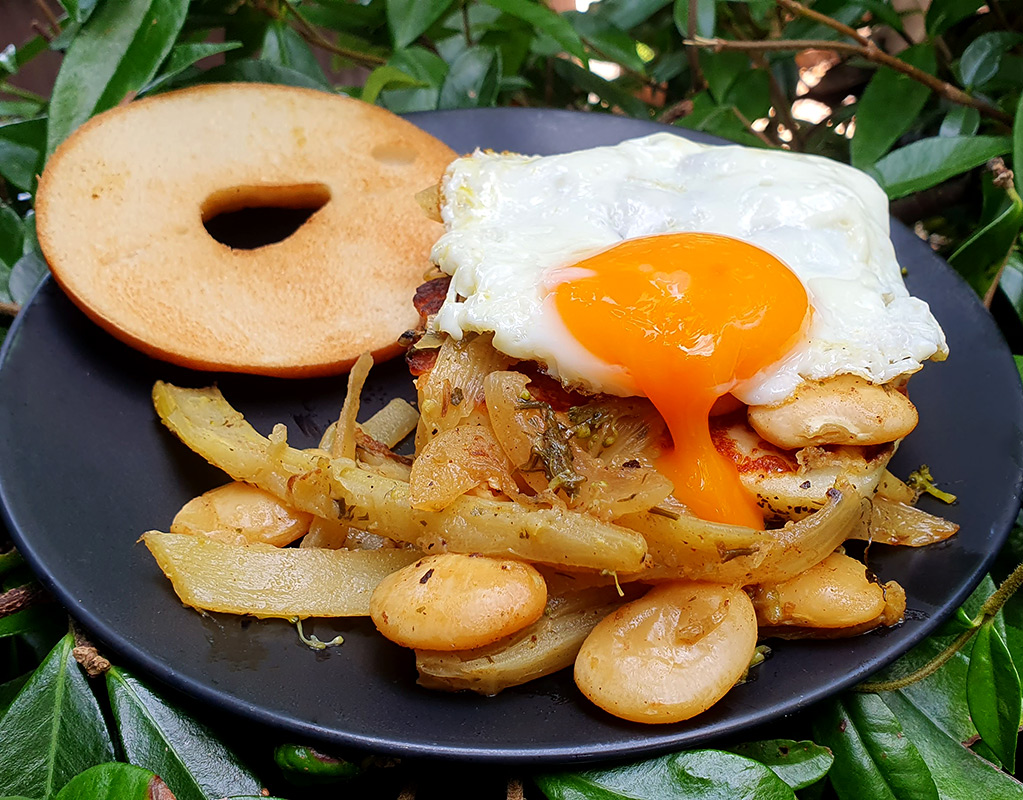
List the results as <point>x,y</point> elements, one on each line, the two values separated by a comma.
<point>689,316</point>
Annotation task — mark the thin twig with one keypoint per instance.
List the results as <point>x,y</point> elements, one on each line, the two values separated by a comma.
<point>676,111</point>
<point>871,53</point>
<point>781,103</point>
<point>21,597</point>
<point>749,127</point>
<point>465,24</point>
<point>925,671</point>
<point>47,12</point>
<point>824,19</point>
<point>308,31</point>
<point>515,790</point>
<point>988,610</point>
<point>699,80</point>
<point>39,28</point>
<point>9,309</point>
<point>603,56</point>
<point>17,91</point>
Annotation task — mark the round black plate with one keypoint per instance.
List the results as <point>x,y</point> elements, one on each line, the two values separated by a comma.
<point>86,467</point>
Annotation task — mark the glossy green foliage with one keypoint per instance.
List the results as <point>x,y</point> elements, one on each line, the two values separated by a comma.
<point>53,729</point>
<point>117,51</point>
<point>873,756</point>
<point>307,766</point>
<point>114,782</point>
<point>693,775</point>
<point>877,129</point>
<point>421,55</point>
<point>799,764</point>
<point>156,735</point>
<point>993,694</point>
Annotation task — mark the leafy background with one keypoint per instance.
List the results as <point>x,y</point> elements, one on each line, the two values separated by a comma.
<point>923,96</point>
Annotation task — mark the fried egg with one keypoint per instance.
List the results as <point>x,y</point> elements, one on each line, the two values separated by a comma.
<point>681,272</point>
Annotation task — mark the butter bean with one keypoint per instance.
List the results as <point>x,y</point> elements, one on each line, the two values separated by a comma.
<point>457,602</point>
<point>835,593</point>
<point>238,513</point>
<point>845,409</point>
<point>669,655</point>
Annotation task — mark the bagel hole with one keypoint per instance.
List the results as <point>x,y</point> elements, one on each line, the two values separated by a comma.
<point>250,217</point>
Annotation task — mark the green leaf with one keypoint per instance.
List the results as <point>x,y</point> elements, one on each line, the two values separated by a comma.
<point>25,621</point>
<point>751,95</point>
<point>928,162</point>
<point>427,67</point>
<point>157,736</point>
<point>185,55</point>
<point>958,773</point>
<point>10,560</point>
<point>9,690</point>
<point>254,71</point>
<point>706,12</point>
<point>78,10</point>
<point>840,10</point>
<point>943,14</point>
<point>980,258</point>
<point>982,58</point>
<point>472,80</point>
<point>284,47</point>
<point>689,775</point>
<point>117,52</point>
<point>993,692</point>
<point>113,782</point>
<point>26,274</point>
<point>1017,145</point>
<point>409,19</point>
<point>956,624</point>
<point>717,119</point>
<point>12,235</point>
<point>722,70</point>
<point>668,66</point>
<point>627,14</point>
<point>12,58</point>
<point>21,151</point>
<point>882,11</point>
<point>17,110</point>
<point>960,121</point>
<point>53,730</point>
<point>545,20</point>
<point>613,95</point>
<point>305,766</point>
<point>877,128</point>
<point>873,756</point>
<point>799,764</point>
<point>382,77</point>
<point>1019,365</point>
<point>608,42</point>
<point>345,16</point>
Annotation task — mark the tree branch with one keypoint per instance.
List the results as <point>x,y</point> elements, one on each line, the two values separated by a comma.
<point>21,597</point>
<point>823,19</point>
<point>307,31</point>
<point>9,309</point>
<point>870,52</point>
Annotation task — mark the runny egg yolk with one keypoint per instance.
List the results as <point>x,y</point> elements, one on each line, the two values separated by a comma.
<point>688,315</point>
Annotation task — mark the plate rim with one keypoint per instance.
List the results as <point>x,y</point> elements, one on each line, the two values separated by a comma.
<point>649,745</point>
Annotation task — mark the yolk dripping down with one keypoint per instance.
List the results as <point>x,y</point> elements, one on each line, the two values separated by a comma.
<point>689,315</point>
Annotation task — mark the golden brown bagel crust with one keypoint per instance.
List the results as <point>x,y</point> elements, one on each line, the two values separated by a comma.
<point>120,222</point>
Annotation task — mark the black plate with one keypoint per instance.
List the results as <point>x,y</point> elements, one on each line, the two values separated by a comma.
<point>85,467</point>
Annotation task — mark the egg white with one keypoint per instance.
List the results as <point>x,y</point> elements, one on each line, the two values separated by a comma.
<point>513,223</point>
